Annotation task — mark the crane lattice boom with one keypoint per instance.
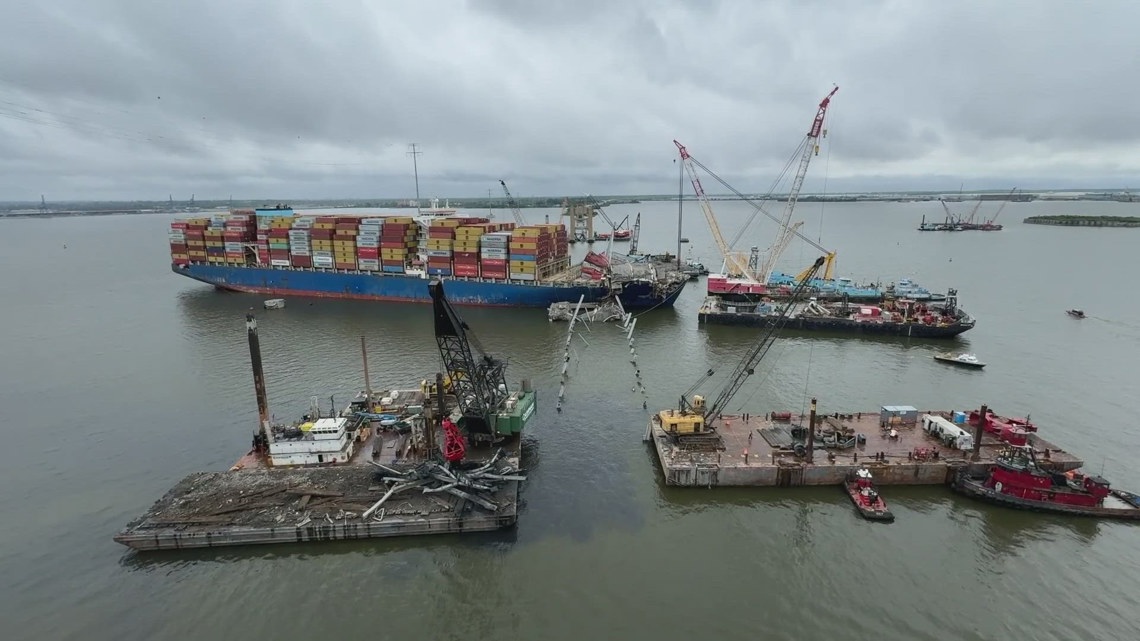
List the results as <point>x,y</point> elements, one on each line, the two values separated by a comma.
<point>736,263</point>
<point>786,230</point>
<point>479,381</point>
<point>513,205</point>
<point>747,365</point>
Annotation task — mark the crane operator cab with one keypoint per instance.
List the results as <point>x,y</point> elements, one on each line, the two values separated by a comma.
<point>688,421</point>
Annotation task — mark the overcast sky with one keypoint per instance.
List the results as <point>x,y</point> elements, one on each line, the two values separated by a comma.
<point>294,99</point>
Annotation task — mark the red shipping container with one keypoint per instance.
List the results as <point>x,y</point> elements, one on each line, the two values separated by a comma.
<point>180,261</point>
<point>400,236</point>
<point>194,234</point>
<point>466,255</point>
<point>279,254</point>
<point>367,252</point>
<point>391,263</point>
<point>178,248</point>
<point>466,271</point>
<point>392,244</point>
<point>321,234</point>
<point>490,273</point>
<point>494,262</point>
<point>178,224</point>
<point>473,263</point>
<point>346,226</point>
<point>302,261</point>
<point>326,219</point>
<point>345,265</point>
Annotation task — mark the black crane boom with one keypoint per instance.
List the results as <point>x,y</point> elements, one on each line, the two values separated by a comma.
<point>747,365</point>
<point>478,380</point>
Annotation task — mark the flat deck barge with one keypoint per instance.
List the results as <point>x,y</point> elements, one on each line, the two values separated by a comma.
<point>252,503</point>
<point>760,453</point>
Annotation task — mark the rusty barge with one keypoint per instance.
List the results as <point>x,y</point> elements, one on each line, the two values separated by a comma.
<point>442,457</point>
<point>900,445</point>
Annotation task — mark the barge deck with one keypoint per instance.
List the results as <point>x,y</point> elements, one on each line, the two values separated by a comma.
<point>252,503</point>
<point>760,453</point>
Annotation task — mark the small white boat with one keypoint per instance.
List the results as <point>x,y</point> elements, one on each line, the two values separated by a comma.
<point>275,303</point>
<point>965,360</point>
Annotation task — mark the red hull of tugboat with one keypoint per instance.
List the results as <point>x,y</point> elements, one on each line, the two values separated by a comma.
<point>873,509</point>
<point>1128,506</point>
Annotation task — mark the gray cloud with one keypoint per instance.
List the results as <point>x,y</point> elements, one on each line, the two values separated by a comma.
<point>117,99</point>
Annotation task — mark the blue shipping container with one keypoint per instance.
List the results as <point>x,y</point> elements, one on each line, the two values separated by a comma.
<point>438,271</point>
<point>526,257</point>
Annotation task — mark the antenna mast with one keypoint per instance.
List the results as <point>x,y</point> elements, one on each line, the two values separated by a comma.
<point>415,168</point>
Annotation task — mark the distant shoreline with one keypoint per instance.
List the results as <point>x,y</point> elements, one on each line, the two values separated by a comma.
<point>1085,221</point>
<point>120,208</point>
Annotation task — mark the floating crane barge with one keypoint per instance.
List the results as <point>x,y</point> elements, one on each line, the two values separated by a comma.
<point>770,457</point>
<point>698,445</point>
<point>392,463</point>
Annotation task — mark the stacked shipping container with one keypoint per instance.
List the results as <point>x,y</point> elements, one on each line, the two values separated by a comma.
<point>493,254</point>
<point>440,241</point>
<point>534,247</point>
<point>462,247</point>
<point>397,242</point>
<point>187,241</point>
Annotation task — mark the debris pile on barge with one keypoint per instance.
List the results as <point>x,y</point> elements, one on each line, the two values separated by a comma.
<point>458,441</point>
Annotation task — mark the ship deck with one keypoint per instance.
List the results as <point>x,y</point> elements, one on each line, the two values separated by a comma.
<point>255,504</point>
<point>767,459</point>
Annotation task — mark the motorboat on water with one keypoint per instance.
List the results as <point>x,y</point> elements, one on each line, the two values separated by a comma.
<point>1075,313</point>
<point>965,360</point>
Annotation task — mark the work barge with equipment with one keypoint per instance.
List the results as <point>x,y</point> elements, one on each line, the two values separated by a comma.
<point>443,457</point>
<point>900,445</point>
<point>699,445</point>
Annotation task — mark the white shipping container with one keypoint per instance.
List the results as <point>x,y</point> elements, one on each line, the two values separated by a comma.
<point>372,221</point>
<point>299,252</point>
<point>374,262</point>
<point>238,217</point>
<point>440,253</point>
<point>278,262</point>
<point>515,276</point>
<point>323,254</point>
<point>366,243</point>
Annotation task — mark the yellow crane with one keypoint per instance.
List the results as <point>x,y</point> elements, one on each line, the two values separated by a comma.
<point>735,262</point>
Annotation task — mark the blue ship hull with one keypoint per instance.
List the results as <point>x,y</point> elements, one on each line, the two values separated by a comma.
<point>413,289</point>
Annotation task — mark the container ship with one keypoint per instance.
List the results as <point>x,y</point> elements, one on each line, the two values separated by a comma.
<point>276,251</point>
<point>893,317</point>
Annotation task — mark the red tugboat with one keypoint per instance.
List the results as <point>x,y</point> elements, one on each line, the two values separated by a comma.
<point>861,488</point>
<point>1018,480</point>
